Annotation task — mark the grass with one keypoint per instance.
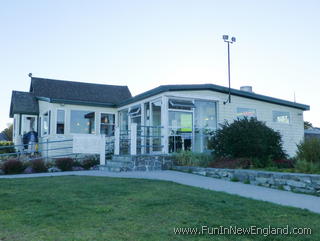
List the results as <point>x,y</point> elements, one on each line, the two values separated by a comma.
<point>100,208</point>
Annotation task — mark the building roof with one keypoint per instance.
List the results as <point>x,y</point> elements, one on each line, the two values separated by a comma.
<point>217,88</point>
<point>69,92</point>
<point>314,130</point>
<point>23,103</point>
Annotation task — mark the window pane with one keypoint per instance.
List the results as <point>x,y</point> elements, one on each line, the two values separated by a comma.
<point>180,131</point>
<point>156,121</point>
<point>205,114</point>
<point>123,120</point>
<point>205,123</point>
<point>82,122</point>
<point>246,112</point>
<point>107,124</point>
<point>60,121</point>
<point>281,117</point>
<point>45,124</point>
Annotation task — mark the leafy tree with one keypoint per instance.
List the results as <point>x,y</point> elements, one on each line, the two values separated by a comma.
<point>8,132</point>
<point>248,138</point>
<point>307,125</point>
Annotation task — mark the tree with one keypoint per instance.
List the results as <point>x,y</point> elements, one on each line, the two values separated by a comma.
<point>307,125</point>
<point>8,132</point>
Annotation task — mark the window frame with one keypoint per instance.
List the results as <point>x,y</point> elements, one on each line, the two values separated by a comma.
<point>114,123</point>
<point>64,122</point>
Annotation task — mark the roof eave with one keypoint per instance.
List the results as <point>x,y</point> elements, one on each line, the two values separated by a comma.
<point>216,88</point>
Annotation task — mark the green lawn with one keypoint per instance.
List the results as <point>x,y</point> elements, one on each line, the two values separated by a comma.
<point>99,208</point>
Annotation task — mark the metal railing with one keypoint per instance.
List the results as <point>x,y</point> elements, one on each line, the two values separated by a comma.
<point>149,139</point>
<point>40,150</point>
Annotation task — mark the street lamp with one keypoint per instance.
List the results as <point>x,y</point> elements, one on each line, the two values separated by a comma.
<point>231,41</point>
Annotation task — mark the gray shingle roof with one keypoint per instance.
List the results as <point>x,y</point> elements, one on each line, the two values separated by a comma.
<point>23,102</point>
<point>68,91</point>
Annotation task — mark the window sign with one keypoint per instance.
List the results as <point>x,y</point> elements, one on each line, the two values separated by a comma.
<point>281,117</point>
<point>246,112</point>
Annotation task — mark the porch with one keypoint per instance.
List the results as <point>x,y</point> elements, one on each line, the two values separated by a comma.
<point>165,125</point>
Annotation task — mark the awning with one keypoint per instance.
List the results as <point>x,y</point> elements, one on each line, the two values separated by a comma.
<point>181,104</point>
<point>135,111</point>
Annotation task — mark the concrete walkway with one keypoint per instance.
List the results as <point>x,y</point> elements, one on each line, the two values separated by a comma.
<point>304,201</point>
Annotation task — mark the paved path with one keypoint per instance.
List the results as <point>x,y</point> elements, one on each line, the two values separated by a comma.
<point>309,202</point>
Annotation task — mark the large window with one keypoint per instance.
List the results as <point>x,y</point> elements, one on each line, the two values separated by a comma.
<point>107,122</point>
<point>281,117</point>
<point>82,122</point>
<point>205,123</point>
<point>246,112</point>
<point>60,121</point>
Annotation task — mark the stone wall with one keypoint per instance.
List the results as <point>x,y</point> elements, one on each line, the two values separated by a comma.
<point>120,163</point>
<point>296,182</point>
<point>151,162</point>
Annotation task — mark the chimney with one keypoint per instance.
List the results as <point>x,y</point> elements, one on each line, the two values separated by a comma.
<point>246,88</point>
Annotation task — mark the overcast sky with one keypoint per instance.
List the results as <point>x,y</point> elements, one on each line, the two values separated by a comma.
<point>144,44</point>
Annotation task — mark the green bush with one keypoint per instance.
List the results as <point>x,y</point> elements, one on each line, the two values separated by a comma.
<point>188,158</point>
<point>309,150</point>
<point>304,166</point>
<point>8,149</point>
<point>65,164</point>
<point>90,162</point>
<point>13,166</point>
<point>248,138</point>
<point>39,165</point>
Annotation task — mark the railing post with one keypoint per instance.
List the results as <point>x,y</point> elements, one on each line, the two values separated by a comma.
<point>117,141</point>
<point>133,139</point>
<point>102,150</point>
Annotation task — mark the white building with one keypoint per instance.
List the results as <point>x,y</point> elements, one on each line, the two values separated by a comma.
<point>168,118</point>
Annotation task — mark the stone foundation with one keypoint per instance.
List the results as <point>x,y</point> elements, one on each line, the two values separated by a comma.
<point>296,182</point>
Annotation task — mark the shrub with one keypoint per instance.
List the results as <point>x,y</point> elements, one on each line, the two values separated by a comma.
<point>39,165</point>
<point>247,138</point>
<point>89,163</point>
<point>309,150</point>
<point>12,166</point>
<point>8,149</point>
<point>307,167</point>
<point>65,164</point>
<point>284,163</point>
<point>232,163</point>
<point>188,158</point>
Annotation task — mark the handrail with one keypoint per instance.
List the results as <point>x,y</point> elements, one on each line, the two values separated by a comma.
<point>49,142</point>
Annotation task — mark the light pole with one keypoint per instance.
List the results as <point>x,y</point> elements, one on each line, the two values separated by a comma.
<point>231,41</point>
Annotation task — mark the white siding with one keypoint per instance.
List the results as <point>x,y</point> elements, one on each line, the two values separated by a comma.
<point>291,133</point>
